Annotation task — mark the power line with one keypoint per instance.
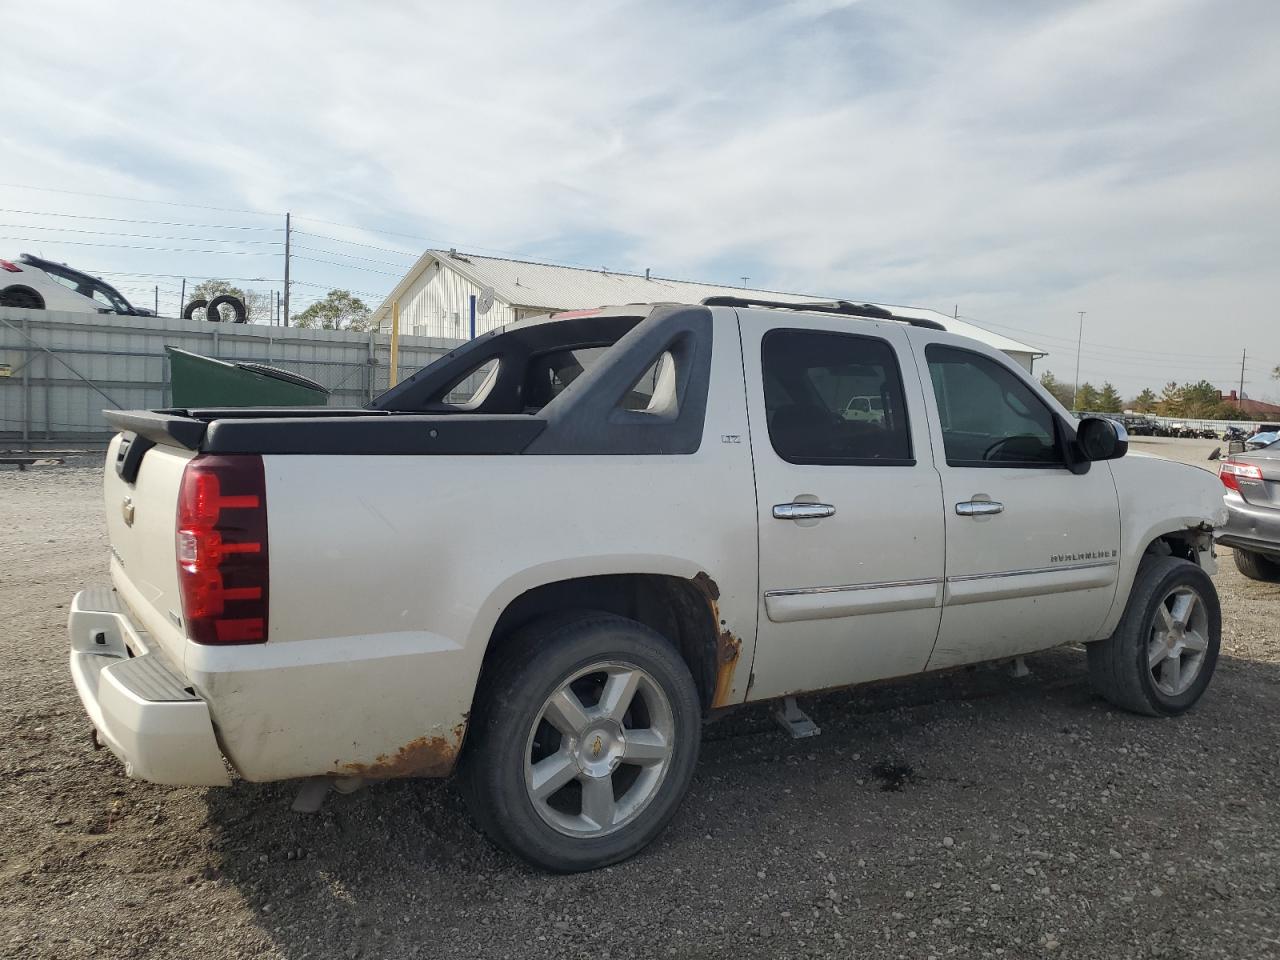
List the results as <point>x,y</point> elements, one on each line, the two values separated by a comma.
<point>353,243</point>
<point>137,236</point>
<point>132,246</point>
<point>160,223</point>
<point>1069,342</point>
<point>352,256</point>
<point>189,276</point>
<point>166,203</point>
<point>447,244</point>
<point>346,266</point>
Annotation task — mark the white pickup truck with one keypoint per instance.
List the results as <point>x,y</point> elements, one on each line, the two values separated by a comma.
<point>549,557</point>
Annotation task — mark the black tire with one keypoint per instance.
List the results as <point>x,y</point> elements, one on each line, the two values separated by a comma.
<point>21,298</point>
<point>189,311</point>
<point>1119,667</point>
<point>534,664</point>
<point>226,300</point>
<point>1256,566</point>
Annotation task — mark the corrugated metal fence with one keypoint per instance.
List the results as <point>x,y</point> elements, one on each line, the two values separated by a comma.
<point>58,371</point>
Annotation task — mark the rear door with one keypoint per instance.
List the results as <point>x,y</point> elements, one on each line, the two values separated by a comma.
<point>1032,549</point>
<point>850,510</point>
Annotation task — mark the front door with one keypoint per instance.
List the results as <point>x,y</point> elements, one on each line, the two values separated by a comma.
<point>850,509</point>
<point>1032,548</point>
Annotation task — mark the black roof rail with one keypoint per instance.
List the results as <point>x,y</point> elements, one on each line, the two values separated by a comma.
<point>842,307</point>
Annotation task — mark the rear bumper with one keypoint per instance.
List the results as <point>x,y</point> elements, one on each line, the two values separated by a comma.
<point>1250,527</point>
<point>142,710</point>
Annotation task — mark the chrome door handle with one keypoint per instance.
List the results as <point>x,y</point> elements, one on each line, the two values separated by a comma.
<point>803,511</point>
<point>979,508</point>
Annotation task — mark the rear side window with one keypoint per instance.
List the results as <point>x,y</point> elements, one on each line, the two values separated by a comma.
<point>989,416</point>
<point>551,373</point>
<point>834,398</point>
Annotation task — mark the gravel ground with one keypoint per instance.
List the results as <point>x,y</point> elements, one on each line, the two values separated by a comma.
<point>969,815</point>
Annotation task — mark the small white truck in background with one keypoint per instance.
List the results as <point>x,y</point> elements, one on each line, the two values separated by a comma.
<point>548,558</point>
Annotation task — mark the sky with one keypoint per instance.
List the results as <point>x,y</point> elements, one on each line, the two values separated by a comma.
<point>1015,162</point>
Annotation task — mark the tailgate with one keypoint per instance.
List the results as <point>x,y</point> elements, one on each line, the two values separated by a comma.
<point>142,527</point>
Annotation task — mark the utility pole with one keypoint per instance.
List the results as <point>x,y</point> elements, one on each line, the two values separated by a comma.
<point>156,312</point>
<point>286,269</point>
<point>1075,390</point>
<point>1243,353</point>
<point>182,301</point>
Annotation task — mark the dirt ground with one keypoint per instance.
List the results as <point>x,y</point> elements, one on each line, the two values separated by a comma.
<point>962,815</point>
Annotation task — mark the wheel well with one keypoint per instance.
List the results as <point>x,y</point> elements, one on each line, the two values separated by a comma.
<point>21,289</point>
<point>684,611</point>
<point>1181,543</point>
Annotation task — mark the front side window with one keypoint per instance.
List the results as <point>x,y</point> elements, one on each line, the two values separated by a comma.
<point>834,398</point>
<point>989,416</point>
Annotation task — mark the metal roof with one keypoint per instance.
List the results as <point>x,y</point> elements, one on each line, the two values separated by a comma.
<point>530,285</point>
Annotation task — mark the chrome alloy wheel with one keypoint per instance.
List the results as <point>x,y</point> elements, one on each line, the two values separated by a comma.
<point>599,749</point>
<point>1178,642</point>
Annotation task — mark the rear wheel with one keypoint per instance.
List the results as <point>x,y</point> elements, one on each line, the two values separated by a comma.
<point>585,741</point>
<point>1162,655</point>
<point>21,298</point>
<point>1256,566</point>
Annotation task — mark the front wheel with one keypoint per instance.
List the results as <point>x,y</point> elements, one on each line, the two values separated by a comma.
<point>1162,655</point>
<point>585,739</point>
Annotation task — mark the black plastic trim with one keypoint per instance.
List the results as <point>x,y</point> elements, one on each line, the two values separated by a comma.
<point>129,456</point>
<point>375,435</point>
<point>162,426</point>
<point>587,417</point>
<point>843,307</point>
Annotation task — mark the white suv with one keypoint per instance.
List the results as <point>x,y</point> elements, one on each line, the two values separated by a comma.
<point>32,283</point>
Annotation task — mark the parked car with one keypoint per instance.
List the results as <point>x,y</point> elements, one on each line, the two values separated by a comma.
<point>866,409</point>
<point>1252,530</point>
<point>1260,440</point>
<point>1138,426</point>
<point>33,283</point>
<point>642,518</point>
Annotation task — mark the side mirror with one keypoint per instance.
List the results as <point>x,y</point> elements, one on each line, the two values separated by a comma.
<point>1100,438</point>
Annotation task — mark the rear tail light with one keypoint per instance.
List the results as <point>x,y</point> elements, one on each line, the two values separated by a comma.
<point>11,267</point>
<point>223,568</point>
<point>1230,472</point>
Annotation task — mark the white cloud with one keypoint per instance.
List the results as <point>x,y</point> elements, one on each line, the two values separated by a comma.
<point>1025,163</point>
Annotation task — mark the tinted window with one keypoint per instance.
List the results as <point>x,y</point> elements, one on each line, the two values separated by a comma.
<point>834,398</point>
<point>550,373</point>
<point>988,414</point>
<point>654,391</point>
<point>478,380</point>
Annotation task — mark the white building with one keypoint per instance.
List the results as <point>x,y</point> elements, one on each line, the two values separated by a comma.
<point>458,295</point>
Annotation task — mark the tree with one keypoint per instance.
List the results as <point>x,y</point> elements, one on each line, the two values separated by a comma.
<point>1061,391</point>
<point>1087,397</point>
<point>1145,402</point>
<point>1109,400</point>
<point>1170,404</point>
<point>1200,400</point>
<point>339,310</point>
<point>257,306</point>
